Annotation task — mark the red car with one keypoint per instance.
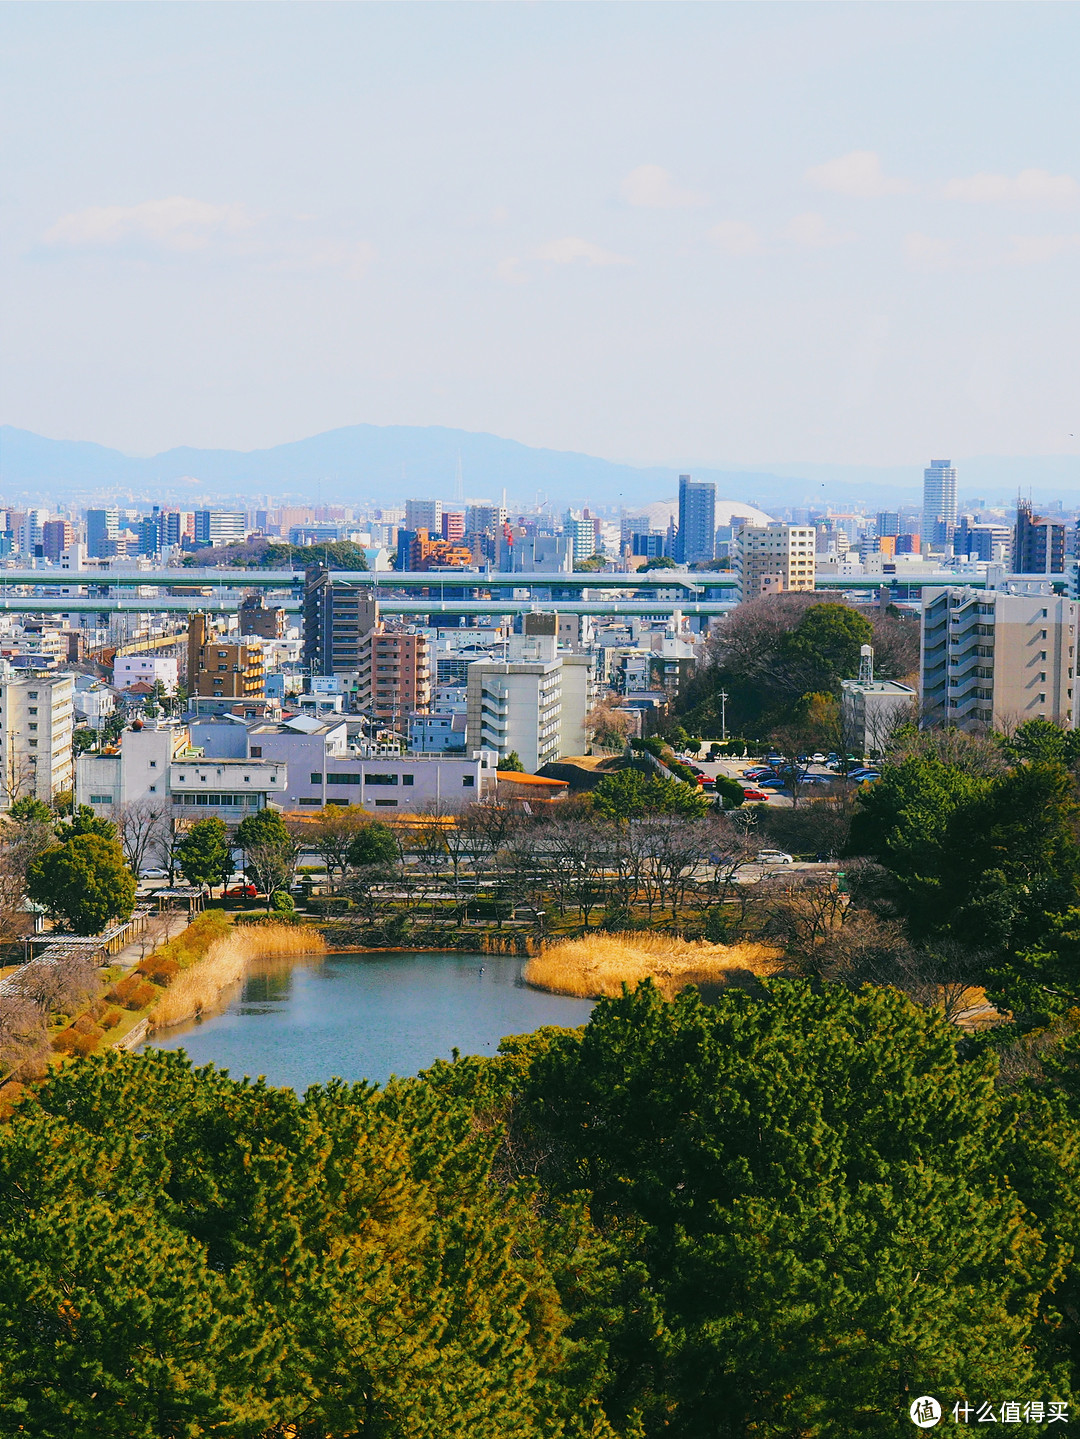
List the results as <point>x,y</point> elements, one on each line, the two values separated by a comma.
<point>754,793</point>
<point>242,891</point>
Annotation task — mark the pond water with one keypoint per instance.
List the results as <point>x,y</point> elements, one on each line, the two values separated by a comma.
<point>367,1016</point>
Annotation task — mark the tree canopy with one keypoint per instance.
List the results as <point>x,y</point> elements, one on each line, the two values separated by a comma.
<point>83,882</point>
<point>631,794</point>
<point>204,853</point>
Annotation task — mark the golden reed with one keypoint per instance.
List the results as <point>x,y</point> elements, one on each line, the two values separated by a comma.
<point>600,964</point>
<point>199,987</point>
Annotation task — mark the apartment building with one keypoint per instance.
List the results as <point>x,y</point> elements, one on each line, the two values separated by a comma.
<point>773,558</point>
<point>995,657</point>
<point>337,621</point>
<point>36,721</point>
<point>533,703</point>
<point>395,675</point>
<point>221,669</point>
<point>149,670</point>
<point>220,527</point>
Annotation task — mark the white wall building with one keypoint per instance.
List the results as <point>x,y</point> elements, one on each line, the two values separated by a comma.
<point>36,722</point>
<point>533,703</point>
<point>150,670</point>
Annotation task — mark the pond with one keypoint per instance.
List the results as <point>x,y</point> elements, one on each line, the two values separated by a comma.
<point>367,1016</point>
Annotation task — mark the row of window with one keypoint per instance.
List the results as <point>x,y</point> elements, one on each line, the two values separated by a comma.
<point>468,781</point>
<point>223,801</point>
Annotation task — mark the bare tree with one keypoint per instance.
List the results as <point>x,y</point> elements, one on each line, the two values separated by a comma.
<point>167,842</point>
<point>140,824</point>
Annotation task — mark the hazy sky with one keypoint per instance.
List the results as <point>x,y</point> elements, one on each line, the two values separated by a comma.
<point>711,233</point>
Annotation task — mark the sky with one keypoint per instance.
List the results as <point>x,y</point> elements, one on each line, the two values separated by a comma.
<point>723,234</point>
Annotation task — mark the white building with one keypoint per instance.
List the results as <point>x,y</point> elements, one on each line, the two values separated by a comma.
<point>870,712</point>
<point>534,702</point>
<point>94,702</point>
<point>774,558</point>
<point>36,722</point>
<point>149,670</point>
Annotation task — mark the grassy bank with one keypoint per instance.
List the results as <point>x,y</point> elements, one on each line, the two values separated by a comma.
<point>600,964</point>
<point>197,986</point>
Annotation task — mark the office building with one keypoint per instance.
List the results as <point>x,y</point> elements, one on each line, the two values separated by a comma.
<point>484,519</point>
<point>36,722</point>
<point>995,658</point>
<point>220,527</point>
<point>696,538</point>
<point>424,515</point>
<point>939,503</point>
<point>337,620</point>
<point>774,558</point>
<point>888,523</point>
<point>102,529</point>
<point>220,669</point>
<point>1038,546</point>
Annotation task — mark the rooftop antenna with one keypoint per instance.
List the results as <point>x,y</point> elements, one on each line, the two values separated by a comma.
<point>866,665</point>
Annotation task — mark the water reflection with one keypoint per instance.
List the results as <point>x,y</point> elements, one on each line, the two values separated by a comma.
<point>367,1016</point>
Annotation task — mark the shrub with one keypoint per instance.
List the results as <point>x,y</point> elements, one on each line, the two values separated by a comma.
<point>111,1019</point>
<point>86,1043</point>
<point>142,995</point>
<point>123,990</point>
<point>161,968</point>
<point>282,903</point>
<point>84,1024</point>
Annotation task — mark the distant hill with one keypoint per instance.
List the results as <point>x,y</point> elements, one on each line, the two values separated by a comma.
<point>390,463</point>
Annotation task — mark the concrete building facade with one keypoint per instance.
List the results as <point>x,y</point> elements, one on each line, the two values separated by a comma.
<point>774,558</point>
<point>221,669</point>
<point>36,722</point>
<point>991,658</point>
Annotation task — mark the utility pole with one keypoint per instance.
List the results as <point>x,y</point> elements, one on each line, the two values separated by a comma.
<point>723,714</point>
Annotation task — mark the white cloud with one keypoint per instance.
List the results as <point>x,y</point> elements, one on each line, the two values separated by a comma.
<point>510,271</point>
<point>571,249</point>
<point>815,233</point>
<point>1034,188</point>
<point>176,223</point>
<point>858,174</point>
<point>1038,249</point>
<point>654,188</point>
<point>926,252</point>
<point>736,238</point>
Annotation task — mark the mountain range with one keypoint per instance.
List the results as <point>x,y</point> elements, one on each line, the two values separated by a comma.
<point>389,463</point>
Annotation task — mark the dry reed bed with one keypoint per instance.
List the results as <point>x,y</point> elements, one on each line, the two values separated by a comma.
<point>600,964</point>
<point>224,963</point>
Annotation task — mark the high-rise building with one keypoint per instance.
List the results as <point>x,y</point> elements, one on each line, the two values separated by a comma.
<point>220,527</point>
<point>770,559</point>
<point>696,539</point>
<point>453,526</point>
<point>220,668</point>
<point>102,526</point>
<point>394,679</point>
<point>888,523</point>
<point>1038,546</point>
<point>485,519</point>
<point>992,658</point>
<point>939,502</point>
<point>56,537</point>
<point>424,515</point>
<point>583,534</point>
<point>337,620</point>
<point>36,721</point>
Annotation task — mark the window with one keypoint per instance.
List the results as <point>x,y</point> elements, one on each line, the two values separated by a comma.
<point>468,781</point>
<point>343,778</point>
<point>256,751</point>
<point>305,800</point>
<point>381,778</point>
<point>33,694</point>
<point>33,744</point>
<point>32,710</point>
<point>32,726</point>
<point>385,802</point>
<point>221,667</point>
<point>101,799</point>
<point>315,778</point>
<point>406,779</point>
<point>153,764</point>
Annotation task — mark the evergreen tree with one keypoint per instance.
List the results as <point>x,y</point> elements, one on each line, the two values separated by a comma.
<point>204,853</point>
<point>83,882</point>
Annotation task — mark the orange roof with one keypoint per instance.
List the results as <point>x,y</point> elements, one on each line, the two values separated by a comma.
<point>513,776</point>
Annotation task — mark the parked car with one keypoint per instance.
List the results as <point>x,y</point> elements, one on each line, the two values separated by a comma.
<point>153,874</point>
<point>751,792</point>
<point>818,758</point>
<point>774,856</point>
<point>772,783</point>
<point>242,891</point>
<point>862,772</point>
